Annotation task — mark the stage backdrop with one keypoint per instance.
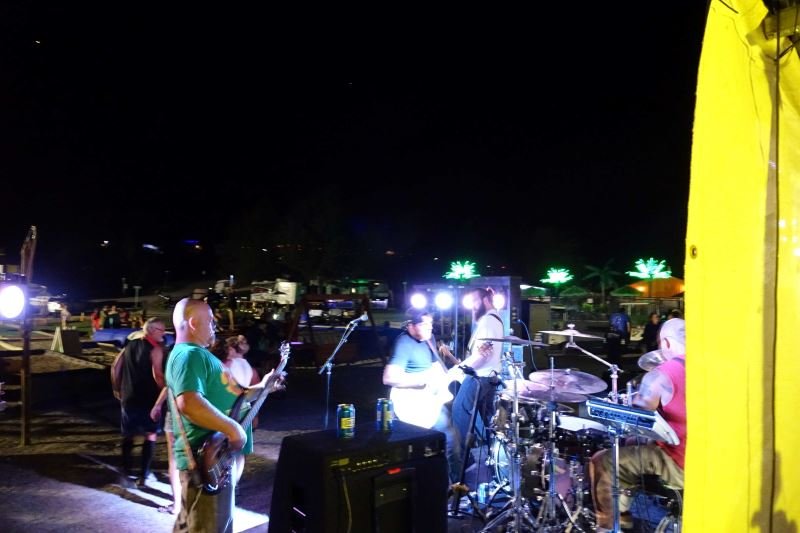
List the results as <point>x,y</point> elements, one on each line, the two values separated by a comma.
<point>743,245</point>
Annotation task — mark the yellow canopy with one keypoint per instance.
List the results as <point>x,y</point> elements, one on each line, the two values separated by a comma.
<point>743,364</point>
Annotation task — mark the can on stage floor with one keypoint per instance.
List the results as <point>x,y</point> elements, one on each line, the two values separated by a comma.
<point>384,415</point>
<point>345,421</point>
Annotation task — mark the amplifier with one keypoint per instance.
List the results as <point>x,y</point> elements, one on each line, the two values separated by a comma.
<point>649,424</point>
<point>376,481</point>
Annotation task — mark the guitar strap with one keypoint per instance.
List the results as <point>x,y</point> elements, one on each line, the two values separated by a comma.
<point>435,356</point>
<point>176,415</point>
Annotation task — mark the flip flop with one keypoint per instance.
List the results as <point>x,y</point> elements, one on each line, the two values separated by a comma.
<point>167,509</point>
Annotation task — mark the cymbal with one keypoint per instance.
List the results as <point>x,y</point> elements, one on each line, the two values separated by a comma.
<point>651,360</point>
<point>511,339</point>
<point>569,380</point>
<point>572,333</point>
<point>556,396</point>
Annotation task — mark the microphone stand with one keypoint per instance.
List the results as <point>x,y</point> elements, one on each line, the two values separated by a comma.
<point>329,364</point>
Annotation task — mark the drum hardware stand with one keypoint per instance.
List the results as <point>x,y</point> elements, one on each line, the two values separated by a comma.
<point>515,508</point>
<point>613,368</point>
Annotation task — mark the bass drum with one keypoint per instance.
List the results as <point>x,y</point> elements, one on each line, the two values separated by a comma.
<point>569,476</point>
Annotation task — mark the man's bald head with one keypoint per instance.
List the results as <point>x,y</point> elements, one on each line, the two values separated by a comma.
<point>673,331</point>
<point>193,322</point>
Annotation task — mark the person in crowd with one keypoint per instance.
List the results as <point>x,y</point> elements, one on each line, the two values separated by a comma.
<point>662,389</point>
<point>618,335</point>
<point>204,393</point>
<point>65,315</point>
<point>416,370</point>
<point>650,334</point>
<point>162,408</point>
<point>141,380</point>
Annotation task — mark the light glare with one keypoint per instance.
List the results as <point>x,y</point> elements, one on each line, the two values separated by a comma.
<point>418,301</point>
<point>499,301</point>
<point>12,301</point>
<point>443,300</point>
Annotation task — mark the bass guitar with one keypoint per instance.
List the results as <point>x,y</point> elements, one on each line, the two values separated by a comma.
<point>216,458</point>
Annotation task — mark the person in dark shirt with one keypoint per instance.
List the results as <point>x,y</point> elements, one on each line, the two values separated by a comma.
<point>141,382</point>
<point>650,334</point>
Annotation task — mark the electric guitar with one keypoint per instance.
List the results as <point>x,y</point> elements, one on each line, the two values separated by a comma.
<point>215,458</point>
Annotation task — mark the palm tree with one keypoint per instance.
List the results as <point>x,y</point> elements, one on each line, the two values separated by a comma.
<point>605,276</point>
<point>650,270</point>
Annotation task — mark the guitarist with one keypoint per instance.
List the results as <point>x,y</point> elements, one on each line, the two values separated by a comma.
<point>416,369</point>
<point>205,392</point>
<point>484,358</point>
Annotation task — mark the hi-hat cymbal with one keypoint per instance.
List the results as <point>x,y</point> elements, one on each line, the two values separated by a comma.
<point>556,396</point>
<point>572,333</point>
<point>651,360</point>
<point>511,339</point>
<point>573,381</point>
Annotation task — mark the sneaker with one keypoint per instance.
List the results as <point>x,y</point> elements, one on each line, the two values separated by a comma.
<point>141,482</point>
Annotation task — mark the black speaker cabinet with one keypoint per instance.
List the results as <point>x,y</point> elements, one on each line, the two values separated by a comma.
<point>375,482</point>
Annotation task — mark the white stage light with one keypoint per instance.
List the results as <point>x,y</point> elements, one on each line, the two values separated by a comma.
<point>418,301</point>
<point>443,300</point>
<point>12,301</point>
<point>499,301</point>
<point>466,301</point>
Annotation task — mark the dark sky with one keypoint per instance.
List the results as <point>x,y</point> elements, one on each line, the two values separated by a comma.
<point>510,137</point>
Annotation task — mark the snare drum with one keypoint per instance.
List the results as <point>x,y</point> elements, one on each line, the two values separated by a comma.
<point>580,437</point>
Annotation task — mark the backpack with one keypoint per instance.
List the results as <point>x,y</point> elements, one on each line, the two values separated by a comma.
<point>116,375</point>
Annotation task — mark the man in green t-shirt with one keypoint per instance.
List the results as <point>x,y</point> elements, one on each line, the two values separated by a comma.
<point>205,392</point>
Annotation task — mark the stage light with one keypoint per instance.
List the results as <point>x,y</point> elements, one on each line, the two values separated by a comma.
<point>418,301</point>
<point>499,301</point>
<point>443,300</point>
<point>466,301</point>
<point>12,301</point>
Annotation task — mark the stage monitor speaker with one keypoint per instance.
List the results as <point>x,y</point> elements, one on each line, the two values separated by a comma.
<point>375,482</point>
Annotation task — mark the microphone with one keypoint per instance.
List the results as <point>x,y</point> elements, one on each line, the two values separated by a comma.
<point>362,318</point>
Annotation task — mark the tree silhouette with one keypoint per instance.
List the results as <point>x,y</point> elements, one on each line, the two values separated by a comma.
<point>605,277</point>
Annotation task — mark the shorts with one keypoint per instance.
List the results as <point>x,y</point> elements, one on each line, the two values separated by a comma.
<point>137,421</point>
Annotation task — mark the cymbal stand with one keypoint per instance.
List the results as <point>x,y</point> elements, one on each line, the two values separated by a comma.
<point>613,431</point>
<point>516,509</point>
<point>547,519</point>
<point>614,369</point>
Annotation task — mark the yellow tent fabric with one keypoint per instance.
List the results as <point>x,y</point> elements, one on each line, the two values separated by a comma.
<point>743,365</point>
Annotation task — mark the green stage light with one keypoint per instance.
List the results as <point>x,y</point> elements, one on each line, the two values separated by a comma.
<point>557,276</point>
<point>650,269</point>
<point>461,270</point>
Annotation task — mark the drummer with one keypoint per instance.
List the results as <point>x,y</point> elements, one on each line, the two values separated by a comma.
<point>662,389</point>
<point>484,358</point>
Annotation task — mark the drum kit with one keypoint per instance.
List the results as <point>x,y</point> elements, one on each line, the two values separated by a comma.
<point>540,451</point>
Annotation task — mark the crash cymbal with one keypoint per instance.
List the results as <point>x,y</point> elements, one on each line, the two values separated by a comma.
<point>511,339</point>
<point>572,333</point>
<point>651,360</point>
<point>556,396</point>
<point>523,387</point>
<point>569,380</point>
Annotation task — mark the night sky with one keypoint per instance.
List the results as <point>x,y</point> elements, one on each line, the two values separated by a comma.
<point>555,136</point>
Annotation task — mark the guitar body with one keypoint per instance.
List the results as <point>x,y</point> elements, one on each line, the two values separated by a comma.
<point>421,407</point>
<point>215,458</point>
